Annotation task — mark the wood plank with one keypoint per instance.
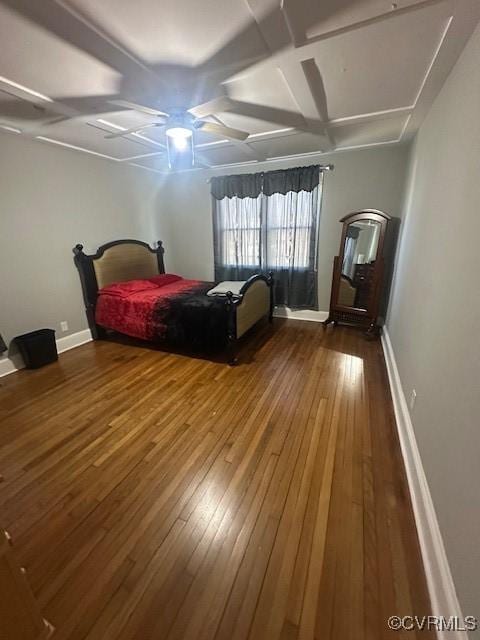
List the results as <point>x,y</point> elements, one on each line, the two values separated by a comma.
<point>156,496</point>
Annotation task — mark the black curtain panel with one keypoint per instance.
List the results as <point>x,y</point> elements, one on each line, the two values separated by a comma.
<point>3,346</point>
<point>269,222</point>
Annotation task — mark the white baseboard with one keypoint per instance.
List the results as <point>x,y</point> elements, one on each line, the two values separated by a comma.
<point>73,340</point>
<point>440,583</point>
<point>10,365</point>
<point>300,314</point>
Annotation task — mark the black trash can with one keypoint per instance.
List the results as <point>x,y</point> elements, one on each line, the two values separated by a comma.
<point>37,348</point>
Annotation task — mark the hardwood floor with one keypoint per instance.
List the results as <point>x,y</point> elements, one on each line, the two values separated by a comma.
<point>154,496</point>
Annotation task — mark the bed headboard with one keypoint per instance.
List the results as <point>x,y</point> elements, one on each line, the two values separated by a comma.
<point>115,261</point>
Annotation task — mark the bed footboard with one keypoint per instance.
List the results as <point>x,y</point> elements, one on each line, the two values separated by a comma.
<point>255,301</point>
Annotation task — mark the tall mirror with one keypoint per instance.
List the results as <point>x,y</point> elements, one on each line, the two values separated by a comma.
<point>359,256</point>
<point>358,269</point>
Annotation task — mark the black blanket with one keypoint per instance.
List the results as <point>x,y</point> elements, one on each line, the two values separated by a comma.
<point>195,320</point>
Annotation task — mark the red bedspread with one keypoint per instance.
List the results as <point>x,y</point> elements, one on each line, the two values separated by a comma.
<point>134,307</point>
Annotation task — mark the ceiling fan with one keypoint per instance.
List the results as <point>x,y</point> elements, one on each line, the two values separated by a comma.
<point>180,125</point>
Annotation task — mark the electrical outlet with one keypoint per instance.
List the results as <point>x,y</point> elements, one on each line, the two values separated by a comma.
<point>413,398</point>
<point>64,325</point>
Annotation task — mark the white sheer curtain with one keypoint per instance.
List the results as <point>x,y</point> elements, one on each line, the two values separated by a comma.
<point>290,224</point>
<point>238,224</point>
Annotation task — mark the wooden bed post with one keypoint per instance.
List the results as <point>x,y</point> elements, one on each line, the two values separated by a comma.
<point>231,330</point>
<point>271,283</point>
<point>160,251</point>
<point>88,280</point>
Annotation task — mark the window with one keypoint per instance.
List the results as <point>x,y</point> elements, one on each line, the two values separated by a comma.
<point>269,222</point>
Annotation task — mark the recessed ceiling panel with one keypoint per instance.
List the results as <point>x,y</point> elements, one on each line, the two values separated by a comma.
<point>381,66</point>
<point>178,31</point>
<point>224,155</point>
<point>289,145</point>
<point>32,57</point>
<point>92,137</point>
<point>264,86</point>
<point>384,130</point>
<point>316,18</point>
<point>157,162</point>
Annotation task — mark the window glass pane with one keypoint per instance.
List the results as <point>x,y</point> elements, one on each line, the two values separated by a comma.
<point>238,227</point>
<point>239,213</point>
<point>241,248</point>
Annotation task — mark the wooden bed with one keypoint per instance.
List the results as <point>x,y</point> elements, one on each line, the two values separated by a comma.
<point>125,260</point>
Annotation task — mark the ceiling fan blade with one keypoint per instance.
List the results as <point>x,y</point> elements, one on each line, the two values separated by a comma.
<point>126,104</point>
<point>125,132</point>
<point>217,105</point>
<point>58,120</point>
<point>221,130</point>
<point>282,117</point>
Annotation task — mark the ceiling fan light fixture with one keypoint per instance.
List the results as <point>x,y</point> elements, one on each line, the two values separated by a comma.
<point>180,148</point>
<point>179,136</point>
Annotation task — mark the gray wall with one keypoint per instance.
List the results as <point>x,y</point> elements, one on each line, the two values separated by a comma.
<point>434,318</point>
<point>50,199</point>
<point>367,178</point>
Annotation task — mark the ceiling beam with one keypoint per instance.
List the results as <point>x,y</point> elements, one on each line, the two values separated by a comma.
<point>271,22</point>
<point>375,116</point>
<point>297,35</point>
<point>285,29</point>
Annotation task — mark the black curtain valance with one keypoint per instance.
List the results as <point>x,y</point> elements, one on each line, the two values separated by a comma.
<point>252,184</point>
<point>296,179</point>
<point>246,185</point>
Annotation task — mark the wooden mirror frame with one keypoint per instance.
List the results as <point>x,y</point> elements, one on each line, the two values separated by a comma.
<point>363,317</point>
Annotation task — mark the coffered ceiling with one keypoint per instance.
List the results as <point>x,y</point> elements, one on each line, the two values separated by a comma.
<point>303,76</point>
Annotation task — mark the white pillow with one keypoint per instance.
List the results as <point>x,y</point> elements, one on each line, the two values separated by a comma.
<point>229,285</point>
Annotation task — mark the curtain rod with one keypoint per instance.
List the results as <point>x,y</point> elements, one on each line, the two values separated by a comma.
<point>322,167</point>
